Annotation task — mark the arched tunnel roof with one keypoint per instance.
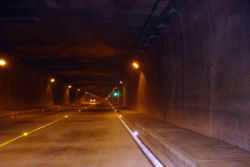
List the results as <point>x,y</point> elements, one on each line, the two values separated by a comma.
<point>83,42</point>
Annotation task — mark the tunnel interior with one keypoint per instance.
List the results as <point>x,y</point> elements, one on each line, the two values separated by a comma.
<point>177,65</point>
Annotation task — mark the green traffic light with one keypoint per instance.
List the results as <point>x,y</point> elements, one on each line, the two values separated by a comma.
<point>115,94</point>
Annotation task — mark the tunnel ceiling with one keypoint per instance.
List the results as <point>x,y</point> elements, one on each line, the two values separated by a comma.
<point>83,42</point>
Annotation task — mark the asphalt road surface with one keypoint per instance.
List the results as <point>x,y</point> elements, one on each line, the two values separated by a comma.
<point>72,138</point>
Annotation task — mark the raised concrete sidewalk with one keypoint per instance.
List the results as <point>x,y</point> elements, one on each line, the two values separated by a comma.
<point>178,147</point>
<point>11,113</point>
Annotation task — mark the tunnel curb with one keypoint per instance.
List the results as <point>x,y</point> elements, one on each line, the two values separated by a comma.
<point>169,154</point>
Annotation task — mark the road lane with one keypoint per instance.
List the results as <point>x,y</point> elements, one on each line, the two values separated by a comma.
<point>91,139</point>
<point>10,128</point>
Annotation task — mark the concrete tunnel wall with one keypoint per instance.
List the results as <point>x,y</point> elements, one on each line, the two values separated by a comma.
<point>197,74</point>
<point>23,87</point>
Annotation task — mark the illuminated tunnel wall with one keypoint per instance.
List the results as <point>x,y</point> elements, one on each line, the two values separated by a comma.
<point>23,87</point>
<point>197,74</point>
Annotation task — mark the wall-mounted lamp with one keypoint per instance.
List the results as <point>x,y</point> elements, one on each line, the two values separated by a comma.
<point>135,65</point>
<point>2,62</point>
<point>52,80</point>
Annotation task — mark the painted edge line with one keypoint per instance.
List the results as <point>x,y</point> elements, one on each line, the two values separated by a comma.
<point>152,158</point>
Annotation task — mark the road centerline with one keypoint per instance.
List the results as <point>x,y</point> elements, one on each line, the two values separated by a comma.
<point>30,132</point>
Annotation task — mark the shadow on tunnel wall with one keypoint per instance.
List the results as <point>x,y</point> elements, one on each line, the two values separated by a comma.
<point>197,74</point>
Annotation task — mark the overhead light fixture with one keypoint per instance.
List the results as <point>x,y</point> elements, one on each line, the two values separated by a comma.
<point>69,86</point>
<point>2,62</point>
<point>52,80</point>
<point>135,65</point>
<point>121,82</point>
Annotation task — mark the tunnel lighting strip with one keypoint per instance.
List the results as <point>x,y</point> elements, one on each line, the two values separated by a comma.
<point>30,132</point>
<point>142,146</point>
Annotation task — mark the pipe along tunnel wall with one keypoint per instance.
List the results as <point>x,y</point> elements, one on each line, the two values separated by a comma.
<point>196,75</point>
